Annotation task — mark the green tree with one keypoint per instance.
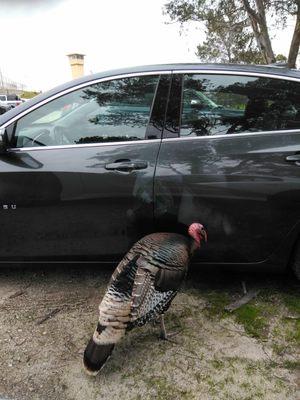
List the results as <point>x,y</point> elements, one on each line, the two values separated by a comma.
<point>237,30</point>
<point>228,36</point>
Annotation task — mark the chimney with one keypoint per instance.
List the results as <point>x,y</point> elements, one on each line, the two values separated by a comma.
<point>77,64</point>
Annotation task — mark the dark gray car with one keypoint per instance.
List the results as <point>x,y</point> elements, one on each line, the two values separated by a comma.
<point>91,166</point>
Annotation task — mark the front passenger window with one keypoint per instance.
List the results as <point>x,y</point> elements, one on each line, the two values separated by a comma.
<point>110,111</point>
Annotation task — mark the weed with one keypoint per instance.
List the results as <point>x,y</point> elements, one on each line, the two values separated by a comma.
<point>217,364</point>
<point>250,316</point>
<point>216,303</point>
<point>291,365</point>
<point>292,302</point>
<point>166,390</point>
<point>279,348</point>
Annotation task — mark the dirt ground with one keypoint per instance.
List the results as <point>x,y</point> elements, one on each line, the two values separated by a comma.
<point>252,353</point>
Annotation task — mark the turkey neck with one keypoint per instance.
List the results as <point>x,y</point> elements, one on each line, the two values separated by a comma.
<point>194,246</point>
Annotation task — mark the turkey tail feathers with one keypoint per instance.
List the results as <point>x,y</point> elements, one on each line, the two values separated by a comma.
<point>95,356</point>
<point>100,347</point>
<point>114,315</point>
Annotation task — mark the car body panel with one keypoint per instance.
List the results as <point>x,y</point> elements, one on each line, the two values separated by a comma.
<point>241,188</point>
<point>69,206</point>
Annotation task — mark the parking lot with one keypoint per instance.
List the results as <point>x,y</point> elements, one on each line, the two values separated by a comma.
<point>47,315</point>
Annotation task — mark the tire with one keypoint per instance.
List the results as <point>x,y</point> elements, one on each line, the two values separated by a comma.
<point>296,260</point>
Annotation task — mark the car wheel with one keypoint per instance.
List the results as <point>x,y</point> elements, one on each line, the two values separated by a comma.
<point>296,260</point>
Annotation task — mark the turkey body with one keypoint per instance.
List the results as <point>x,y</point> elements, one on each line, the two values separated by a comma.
<point>141,288</point>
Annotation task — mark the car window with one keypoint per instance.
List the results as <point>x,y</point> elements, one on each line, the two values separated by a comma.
<point>110,111</point>
<point>228,104</point>
<point>13,97</point>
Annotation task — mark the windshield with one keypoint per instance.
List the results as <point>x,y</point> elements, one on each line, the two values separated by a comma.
<point>13,97</point>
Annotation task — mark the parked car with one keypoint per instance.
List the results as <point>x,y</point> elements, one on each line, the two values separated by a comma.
<point>10,100</point>
<point>4,107</point>
<point>14,100</point>
<point>91,166</point>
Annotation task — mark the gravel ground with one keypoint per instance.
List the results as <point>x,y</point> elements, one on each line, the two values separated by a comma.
<point>48,314</point>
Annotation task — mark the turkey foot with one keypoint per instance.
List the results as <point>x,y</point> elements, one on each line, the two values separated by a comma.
<point>163,333</point>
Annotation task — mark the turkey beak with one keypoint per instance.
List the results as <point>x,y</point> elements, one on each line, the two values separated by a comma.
<point>204,235</point>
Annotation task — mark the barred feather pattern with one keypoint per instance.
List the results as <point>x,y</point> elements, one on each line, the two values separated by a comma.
<point>155,305</point>
<point>145,282</point>
<point>142,287</point>
<point>162,266</point>
<point>115,307</point>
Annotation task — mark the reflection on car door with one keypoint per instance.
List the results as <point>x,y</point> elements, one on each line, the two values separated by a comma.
<point>244,186</point>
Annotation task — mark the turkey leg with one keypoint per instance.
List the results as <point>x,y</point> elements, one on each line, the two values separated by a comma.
<point>163,333</point>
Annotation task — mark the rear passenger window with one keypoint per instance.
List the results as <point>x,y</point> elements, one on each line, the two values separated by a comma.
<point>228,104</point>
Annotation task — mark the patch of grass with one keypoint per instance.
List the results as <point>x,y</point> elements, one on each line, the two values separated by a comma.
<point>114,367</point>
<point>138,397</point>
<point>191,291</point>
<point>279,348</point>
<point>291,365</point>
<point>293,333</point>
<point>292,302</point>
<point>229,380</point>
<point>247,398</point>
<point>213,389</point>
<point>217,364</point>
<point>216,303</point>
<point>251,317</point>
<point>297,332</point>
<point>271,364</point>
<point>174,321</point>
<point>202,376</point>
<point>28,95</point>
<point>285,335</point>
<point>246,385</point>
<point>187,312</point>
<point>251,367</point>
<point>166,390</point>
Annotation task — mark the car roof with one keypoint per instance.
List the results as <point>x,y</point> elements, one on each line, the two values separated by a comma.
<point>259,69</point>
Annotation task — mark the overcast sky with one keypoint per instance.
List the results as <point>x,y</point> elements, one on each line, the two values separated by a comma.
<point>36,35</point>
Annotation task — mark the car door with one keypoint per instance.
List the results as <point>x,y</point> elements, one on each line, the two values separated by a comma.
<point>234,168</point>
<point>77,183</point>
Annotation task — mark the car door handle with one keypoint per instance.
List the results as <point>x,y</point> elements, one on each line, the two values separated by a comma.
<point>126,166</point>
<point>293,157</point>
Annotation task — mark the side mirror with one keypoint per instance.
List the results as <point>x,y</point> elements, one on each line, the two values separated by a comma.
<point>4,142</point>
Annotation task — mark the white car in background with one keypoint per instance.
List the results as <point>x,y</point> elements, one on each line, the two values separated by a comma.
<point>11,100</point>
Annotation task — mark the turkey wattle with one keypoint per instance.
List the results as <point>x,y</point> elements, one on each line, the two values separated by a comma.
<point>141,288</point>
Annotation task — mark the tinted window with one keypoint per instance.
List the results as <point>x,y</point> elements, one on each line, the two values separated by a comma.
<point>116,110</point>
<point>13,97</point>
<point>226,104</point>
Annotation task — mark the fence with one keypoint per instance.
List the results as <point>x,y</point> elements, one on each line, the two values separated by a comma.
<point>8,86</point>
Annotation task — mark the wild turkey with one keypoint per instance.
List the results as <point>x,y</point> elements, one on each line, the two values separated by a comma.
<point>141,288</point>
